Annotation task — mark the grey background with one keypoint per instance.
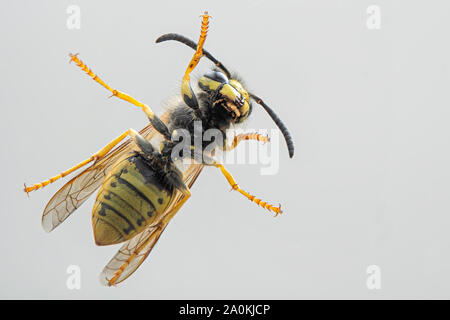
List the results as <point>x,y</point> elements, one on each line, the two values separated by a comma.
<point>368,111</point>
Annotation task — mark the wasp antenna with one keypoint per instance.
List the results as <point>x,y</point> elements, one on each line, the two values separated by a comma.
<point>193,45</point>
<point>279,123</point>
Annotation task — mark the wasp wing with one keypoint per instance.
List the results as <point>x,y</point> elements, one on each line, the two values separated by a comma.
<point>134,251</point>
<point>72,195</point>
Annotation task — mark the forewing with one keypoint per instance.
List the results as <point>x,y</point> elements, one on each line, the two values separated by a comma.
<point>134,251</point>
<point>78,189</point>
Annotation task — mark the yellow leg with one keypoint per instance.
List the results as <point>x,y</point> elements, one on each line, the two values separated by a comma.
<point>155,121</point>
<point>96,156</point>
<point>148,111</point>
<point>199,52</point>
<point>245,136</point>
<point>235,186</point>
<point>186,90</point>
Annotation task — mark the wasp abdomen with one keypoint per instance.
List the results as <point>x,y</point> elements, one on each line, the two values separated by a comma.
<point>131,197</point>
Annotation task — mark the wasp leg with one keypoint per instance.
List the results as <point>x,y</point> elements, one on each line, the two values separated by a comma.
<point>154,119</point>
<point>245,136</point>
<point>193,45</point>
<point>212,162</point>
<point>186,90</point>
<point>95,157</point>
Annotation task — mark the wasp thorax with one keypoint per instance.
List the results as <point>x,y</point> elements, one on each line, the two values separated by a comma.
<point>228,94</point>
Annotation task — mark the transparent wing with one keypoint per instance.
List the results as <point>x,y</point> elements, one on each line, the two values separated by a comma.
<point>134,251</point>
<point>72,195</point>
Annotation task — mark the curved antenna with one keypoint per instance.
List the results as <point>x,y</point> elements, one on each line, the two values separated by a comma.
<point>193,45</point>
<point>272,114</point>
<point>278,122</point>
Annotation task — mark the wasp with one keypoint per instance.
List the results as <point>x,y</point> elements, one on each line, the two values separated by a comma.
<point>141,187</point>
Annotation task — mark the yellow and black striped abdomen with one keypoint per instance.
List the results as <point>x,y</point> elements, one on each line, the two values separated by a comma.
<point>130,199</point>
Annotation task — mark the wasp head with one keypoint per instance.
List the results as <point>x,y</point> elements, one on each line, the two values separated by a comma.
<point>229,94</point>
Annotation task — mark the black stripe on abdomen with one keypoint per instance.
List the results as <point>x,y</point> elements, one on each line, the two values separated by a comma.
<point>137,191</point>
<point>105,207</point>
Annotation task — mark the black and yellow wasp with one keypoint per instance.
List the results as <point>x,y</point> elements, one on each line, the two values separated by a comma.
<point>141,187</point>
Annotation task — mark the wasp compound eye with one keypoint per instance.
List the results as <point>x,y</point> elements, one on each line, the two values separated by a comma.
<point>216,76</point>
<point>209,82</point>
